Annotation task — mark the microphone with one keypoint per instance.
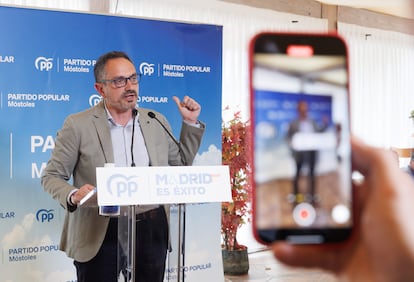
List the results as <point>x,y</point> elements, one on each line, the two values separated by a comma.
<point>153,116</point>
<point>134,114</point>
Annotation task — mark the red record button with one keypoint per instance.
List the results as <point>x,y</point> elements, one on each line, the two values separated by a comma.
<point>304,214</point>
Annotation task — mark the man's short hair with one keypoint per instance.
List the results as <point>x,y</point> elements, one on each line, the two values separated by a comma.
<point>99,68</point>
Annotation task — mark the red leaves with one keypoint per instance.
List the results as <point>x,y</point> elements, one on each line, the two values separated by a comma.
<point>236,154</point>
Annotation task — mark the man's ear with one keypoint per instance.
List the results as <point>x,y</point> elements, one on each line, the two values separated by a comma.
<point>99,88</point>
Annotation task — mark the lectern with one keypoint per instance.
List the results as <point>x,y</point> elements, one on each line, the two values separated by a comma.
<point>129,187</point>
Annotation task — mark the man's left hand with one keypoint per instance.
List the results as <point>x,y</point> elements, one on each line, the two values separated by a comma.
<point>189,108</point>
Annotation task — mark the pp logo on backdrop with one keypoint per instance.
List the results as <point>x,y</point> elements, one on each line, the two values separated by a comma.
<point>94,99</point>
<point>44,215</point>
<point>146,68</point>
<point>120,185</point>
<point>43,63</point>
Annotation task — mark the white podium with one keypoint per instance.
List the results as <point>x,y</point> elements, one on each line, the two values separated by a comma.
<point>132,186</point>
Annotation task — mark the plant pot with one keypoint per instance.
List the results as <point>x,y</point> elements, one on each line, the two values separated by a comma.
<point>235,262</point>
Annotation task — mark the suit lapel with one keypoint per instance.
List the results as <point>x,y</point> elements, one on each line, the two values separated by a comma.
<point>104,135</point>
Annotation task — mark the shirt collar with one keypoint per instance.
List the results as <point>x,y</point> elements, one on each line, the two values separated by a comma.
<point>110,118</point>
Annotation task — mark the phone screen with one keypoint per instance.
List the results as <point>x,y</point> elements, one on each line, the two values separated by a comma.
<point>301,136</point>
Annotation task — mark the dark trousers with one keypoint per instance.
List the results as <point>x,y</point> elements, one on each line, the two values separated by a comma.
<point>301,158</point>
<point>151,251</point>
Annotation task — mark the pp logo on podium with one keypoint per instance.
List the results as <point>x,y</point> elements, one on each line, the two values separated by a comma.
<point>120,185</point>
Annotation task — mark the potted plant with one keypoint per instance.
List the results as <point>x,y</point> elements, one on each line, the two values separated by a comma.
<point>235,154</point>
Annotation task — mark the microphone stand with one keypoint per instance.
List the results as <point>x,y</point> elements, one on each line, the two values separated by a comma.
<point>132,231</point>
<point>181,241</point>
<point>181,233</point>
<point>181,210</point>
<point>132,227</point>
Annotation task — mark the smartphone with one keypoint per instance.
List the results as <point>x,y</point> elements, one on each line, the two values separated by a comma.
<point>299,106</point>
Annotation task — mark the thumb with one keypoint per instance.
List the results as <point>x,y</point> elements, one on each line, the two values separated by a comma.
<point>177,100</point>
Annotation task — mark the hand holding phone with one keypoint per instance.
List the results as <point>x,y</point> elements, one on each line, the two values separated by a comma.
<point>301,137</point>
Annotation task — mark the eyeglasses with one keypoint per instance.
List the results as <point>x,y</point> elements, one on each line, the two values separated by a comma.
<point>122,81</point>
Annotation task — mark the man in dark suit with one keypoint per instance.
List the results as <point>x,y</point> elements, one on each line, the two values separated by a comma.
<point>100,135</point>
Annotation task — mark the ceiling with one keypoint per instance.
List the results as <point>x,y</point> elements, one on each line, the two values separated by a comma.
<point>399,8</point>
<point>328,69</point>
